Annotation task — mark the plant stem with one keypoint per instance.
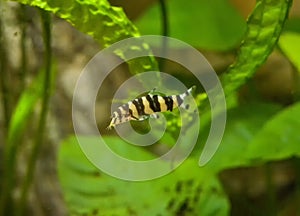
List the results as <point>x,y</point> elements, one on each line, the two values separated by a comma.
<point>46,23</point>
<point>271,193</point>
<point>164,31</point>
<point>6,103</point>
<point>164,18</point>
<point>296,162</point>
<point>4,76</point>
<point>23,67</point>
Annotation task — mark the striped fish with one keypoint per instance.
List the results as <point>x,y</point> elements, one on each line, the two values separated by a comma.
<point>141,108</point>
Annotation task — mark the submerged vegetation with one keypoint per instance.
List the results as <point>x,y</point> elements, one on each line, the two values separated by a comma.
<point>261,133</point>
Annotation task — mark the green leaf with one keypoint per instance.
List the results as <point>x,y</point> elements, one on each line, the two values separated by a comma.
<point>19,120</point>
<point>264,27</point>
<point>279,138</point>
<point>243,123</point>
<point>105,23</point>
<point>112,23</point>
<point>21,117</point>
<point>189,190</point>
<point>292,25</point>
<point>205,24</point>
<point>289,43</point>
<point>23,110</point>
<point>258,133</point>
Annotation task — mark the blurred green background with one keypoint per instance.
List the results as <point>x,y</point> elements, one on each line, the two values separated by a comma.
<point>254,48</point>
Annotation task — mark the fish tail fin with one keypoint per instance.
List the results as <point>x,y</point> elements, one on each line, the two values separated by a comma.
<point>184,95</point>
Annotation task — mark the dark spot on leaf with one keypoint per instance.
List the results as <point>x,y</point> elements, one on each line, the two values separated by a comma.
<point>189,182</point>
<point>97,174</point>
<point>178,187</point>
<point>131,211</point>
<point>214,190</point>
<point>198,189</point>
<point>95,212</point>
<point>196,198</point>
<point>183,208</point>
<point>197,194</point>
<point>171,204</point>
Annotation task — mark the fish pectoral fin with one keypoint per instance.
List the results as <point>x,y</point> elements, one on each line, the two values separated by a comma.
<point>143,117</point>
<point>134,118</point>
<point>154,116</point>
<point>152,91</point>
<point>111,125</point>
<point>119,120</point>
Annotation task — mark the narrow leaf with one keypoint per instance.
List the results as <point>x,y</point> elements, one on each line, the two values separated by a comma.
<point>264,27</point>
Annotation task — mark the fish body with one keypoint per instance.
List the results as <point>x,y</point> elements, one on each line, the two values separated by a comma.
<point>141,108</point>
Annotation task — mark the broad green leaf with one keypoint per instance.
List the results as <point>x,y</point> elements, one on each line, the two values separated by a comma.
<point>279,138</point>
<point>258,133</point>
<point>204,24</point>
<point>97,18</point>
<point>189,190</point>
<point>243,123</point>
<point>289,43</point>
<point>105,23</point>
<point>292,25</point>
<point>264,27</point>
